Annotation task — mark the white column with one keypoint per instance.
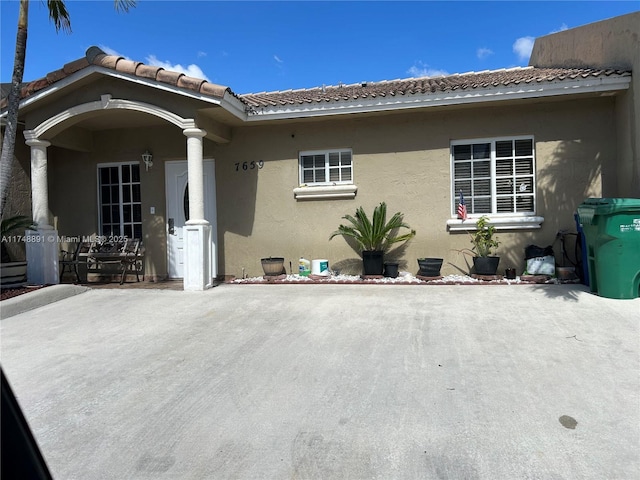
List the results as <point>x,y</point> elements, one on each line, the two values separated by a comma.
<point>41,244</point>
<point>39,186</point>
<point>196,173</point>
<point>197,231</point>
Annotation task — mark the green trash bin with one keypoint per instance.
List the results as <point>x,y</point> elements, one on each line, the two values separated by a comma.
<point>611,229</point>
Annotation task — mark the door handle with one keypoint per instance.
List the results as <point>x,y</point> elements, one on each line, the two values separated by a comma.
<point>172,229</point>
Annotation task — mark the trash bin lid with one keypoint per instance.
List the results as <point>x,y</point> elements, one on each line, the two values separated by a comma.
<point>608,206</point>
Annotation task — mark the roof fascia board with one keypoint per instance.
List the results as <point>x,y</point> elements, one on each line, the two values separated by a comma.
<point>234,105</point>
<point>460,97</point>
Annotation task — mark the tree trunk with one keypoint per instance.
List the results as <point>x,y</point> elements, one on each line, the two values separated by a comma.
<point>9,140</point>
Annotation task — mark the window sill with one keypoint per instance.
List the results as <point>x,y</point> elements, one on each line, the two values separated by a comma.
<point>322,192</point>
<point>501,223</point>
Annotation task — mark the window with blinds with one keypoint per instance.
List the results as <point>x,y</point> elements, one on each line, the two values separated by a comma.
<point>326,167</point>
<point>120,203</point>
<point>495,176</point>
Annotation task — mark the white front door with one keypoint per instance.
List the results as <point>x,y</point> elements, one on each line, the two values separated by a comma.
<point>177,187</point>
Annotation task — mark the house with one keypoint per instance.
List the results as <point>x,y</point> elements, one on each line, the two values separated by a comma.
<point>212,181</point>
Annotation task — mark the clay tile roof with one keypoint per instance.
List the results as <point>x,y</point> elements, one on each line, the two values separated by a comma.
<point>325,94</point>
<point>212,89</point>
<point>53,77</point>
<point>107,61</point>
<point>148,71</point>
<point>167,76</point>
<point>127,66</point>
<point>426,85</point>
<point>190,82</point>
<point>96,57</point>
<point>74,66</point>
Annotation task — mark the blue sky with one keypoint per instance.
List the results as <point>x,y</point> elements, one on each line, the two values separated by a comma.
<point>266,46</point>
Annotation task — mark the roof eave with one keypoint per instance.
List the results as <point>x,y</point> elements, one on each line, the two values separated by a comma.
<point>521,91</point>
<point>229,101</point>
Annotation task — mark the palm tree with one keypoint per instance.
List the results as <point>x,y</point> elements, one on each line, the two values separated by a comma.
<point>59,15</point>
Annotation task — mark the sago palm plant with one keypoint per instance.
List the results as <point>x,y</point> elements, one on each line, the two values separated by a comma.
<point>376,234</point>
<point>18,223</point>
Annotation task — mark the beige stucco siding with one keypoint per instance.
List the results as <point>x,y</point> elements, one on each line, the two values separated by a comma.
<point>402,159</point>
<point>612,43</point>
<point>19,199</point>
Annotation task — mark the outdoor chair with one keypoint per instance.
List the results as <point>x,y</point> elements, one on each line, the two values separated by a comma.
<point>131,259</point>
<point>71,259</point>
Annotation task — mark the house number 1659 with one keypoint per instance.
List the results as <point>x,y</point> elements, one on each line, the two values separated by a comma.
<point>252,165</point>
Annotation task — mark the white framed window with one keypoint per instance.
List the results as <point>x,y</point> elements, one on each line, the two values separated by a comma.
<point>325,174</point>
<point>119,200</point>
<point>326,167</point>
<point>497,178</point>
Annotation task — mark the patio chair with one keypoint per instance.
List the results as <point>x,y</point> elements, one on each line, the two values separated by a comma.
<point>71,259</point>
<point>131,258</point>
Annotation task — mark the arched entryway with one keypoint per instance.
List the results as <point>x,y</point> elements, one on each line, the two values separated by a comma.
<point>199,253</point>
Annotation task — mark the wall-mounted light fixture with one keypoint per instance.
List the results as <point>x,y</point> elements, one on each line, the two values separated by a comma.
<point>147,158</point>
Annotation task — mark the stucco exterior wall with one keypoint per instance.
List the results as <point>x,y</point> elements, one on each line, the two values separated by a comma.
<point>19,198</point>
<point>612,43</point>
<point>402,159</point>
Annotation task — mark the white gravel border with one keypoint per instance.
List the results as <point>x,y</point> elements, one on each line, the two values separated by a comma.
<point>404,278</point>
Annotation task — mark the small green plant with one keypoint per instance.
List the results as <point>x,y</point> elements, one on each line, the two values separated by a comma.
<point>11,224</point>
<point>483,239</point>
<point>376,234</point>
<point>8,226</point>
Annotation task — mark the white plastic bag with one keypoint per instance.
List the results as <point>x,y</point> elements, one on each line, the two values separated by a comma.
<point>541,265</point>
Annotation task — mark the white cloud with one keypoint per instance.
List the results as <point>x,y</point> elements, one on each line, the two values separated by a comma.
<point>190,70</point>
<point>111,51</point>
<point>420,69</point>
<point>483,53</point>
<point>523,47</point>
<point>201,54</point>
<point>562,28</point>
<point>277,59</point>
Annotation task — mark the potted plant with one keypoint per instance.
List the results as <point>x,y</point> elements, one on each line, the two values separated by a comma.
<point>391,269</point>
<point>13,273</point>
<point>484,247</point>
<point>430,266</point>
<point>373,237</point>
<point>273,265</point>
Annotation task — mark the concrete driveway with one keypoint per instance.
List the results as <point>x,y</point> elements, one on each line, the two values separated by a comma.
<point>332,382</point>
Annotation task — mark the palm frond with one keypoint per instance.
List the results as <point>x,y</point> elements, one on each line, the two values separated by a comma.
<point>124,5</point>
<point>19,222</point>
<point>59,15</point>
<point>377,233</point>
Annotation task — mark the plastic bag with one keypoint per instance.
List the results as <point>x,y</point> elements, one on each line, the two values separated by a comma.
<point>540,261</point>
<point>533,251</point>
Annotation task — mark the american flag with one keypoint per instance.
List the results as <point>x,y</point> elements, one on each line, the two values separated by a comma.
<point>462,208</point>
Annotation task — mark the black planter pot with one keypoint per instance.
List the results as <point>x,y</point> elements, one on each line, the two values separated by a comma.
<point>391,269</point>
<point>430,267</point>
<point>372,262</point>
<point>486,265</point>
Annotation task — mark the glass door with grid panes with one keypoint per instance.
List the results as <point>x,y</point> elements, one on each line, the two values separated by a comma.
<point>120,205</point>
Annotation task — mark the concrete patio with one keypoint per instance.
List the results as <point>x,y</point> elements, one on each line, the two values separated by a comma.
<point>330,381</point>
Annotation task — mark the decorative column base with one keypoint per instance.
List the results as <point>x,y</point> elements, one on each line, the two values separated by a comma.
<point>197,256</point>
<point>42,257</point>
